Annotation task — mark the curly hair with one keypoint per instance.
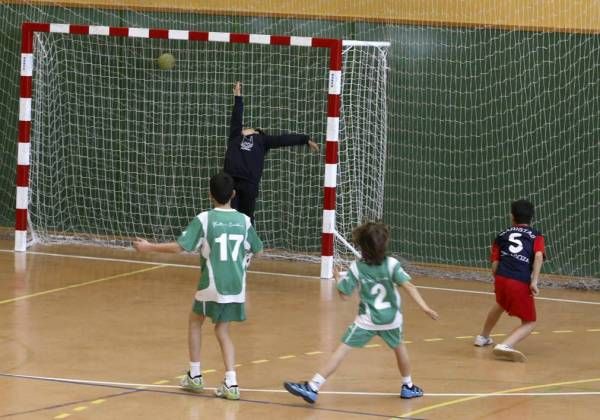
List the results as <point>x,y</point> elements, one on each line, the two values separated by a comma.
<point>372,238</point>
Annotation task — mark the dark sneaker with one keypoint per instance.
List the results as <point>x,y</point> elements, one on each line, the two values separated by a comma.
<point>302,390</point>
<point>412,392</point>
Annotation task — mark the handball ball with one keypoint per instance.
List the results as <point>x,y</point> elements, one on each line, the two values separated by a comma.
<point>166,61</point>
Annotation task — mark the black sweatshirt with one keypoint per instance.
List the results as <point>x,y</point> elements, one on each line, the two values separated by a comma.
<point>245,156</point>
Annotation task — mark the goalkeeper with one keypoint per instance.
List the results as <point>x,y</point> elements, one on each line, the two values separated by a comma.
<point>245,155</point>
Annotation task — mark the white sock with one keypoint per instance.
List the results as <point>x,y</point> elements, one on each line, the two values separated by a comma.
<point>195,369</point>
<point>407,380</point>
<point>230,378</point>
<point>316,382</point>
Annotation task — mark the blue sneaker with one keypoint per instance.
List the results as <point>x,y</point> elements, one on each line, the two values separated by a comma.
<point>302,390</point>
<point>412,392</point>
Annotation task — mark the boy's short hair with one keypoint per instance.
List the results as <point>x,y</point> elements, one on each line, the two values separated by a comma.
<point>372,238</point>
<point>522,211</point>
<point>221,187</point>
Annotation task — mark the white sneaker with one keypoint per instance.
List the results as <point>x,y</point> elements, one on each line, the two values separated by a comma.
<point>228,392</point>
<point>502,351</point>
<point>481,341</point>
<point>195,384</point>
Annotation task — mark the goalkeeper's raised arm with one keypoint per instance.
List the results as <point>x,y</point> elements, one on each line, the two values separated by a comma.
<point>237,115</point>
<point>246,151</point>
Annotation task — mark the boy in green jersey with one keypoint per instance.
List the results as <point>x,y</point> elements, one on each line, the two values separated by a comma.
<point>376,277</point>
<point>225,239</point>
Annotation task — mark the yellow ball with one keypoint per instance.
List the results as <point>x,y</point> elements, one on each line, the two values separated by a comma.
<point>166,61</point>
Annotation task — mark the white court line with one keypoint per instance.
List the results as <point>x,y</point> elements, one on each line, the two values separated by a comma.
<point>84,257</point>
<point>282,391</point>
<point>583,302</point>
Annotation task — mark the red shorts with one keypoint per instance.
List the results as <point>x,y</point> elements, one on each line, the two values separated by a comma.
<point>515,298</point>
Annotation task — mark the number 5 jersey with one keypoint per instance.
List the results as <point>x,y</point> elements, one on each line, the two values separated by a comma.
<point>514,249</point>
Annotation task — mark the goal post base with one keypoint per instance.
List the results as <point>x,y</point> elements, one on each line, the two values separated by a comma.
<point>326,267</point>
<point>20,240</point>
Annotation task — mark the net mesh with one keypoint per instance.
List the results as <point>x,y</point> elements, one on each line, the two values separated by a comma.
<point>488,102</point>
<point>122,148</point>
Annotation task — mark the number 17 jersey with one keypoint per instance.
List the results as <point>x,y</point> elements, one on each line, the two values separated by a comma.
<point>225,237</point>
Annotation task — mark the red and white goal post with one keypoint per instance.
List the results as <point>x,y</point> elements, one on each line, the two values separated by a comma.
<point>335,48</point>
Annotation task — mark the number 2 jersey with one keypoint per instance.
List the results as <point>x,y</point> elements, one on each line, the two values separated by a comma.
<point>225,238</point>
<point>379,307</point>
<point>514,250</point>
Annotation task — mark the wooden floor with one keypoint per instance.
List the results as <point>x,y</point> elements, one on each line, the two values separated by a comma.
<point>96,338</point>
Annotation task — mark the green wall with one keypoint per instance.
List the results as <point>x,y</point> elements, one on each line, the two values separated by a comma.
<point>477,118</point>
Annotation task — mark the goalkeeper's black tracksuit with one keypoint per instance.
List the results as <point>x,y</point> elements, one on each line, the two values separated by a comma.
<point>245,158</point>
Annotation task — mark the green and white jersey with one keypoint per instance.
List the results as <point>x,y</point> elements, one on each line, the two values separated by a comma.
<point>225,237</point>
<point>379,307</point>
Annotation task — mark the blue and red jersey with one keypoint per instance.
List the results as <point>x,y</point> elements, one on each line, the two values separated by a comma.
<point>514,250</point>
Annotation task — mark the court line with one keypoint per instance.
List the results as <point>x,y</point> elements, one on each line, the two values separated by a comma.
<point>511,391</point>
<point>194,395</point>
<point>506,393</point>
<point>478,292</point>
<point>197,267</point>
<point>73,286</point>
<point>62,405</point>
<point>584,302</point>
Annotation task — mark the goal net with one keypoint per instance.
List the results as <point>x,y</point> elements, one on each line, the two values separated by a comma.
<point>488,102</point>
<point>121,148</point>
